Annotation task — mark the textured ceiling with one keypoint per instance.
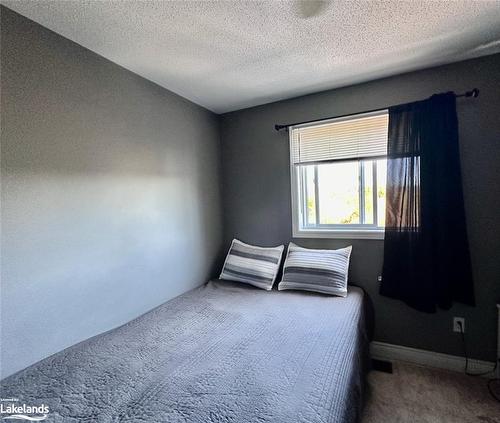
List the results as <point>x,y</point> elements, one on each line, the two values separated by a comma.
<point>235,54</point>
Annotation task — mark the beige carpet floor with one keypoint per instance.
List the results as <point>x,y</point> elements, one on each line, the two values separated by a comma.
<point>413,394</point>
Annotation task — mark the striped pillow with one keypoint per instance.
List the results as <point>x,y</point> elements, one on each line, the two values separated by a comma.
<point>316,270</point>
<point>256,266</point>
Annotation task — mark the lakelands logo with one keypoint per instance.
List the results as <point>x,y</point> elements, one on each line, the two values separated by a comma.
<point>9,410</point>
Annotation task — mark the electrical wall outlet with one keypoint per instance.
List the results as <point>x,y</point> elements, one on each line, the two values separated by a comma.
<point>456,324</point>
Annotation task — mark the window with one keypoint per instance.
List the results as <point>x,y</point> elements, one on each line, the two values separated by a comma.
<point>338,170</point>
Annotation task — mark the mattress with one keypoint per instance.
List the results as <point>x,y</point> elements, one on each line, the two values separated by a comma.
<point>224,352</point>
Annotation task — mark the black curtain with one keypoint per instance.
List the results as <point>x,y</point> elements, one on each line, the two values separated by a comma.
<point>426,254</point>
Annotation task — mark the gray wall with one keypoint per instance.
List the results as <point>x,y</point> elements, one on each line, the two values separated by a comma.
<point>110,193</point>
<point>256,187</point>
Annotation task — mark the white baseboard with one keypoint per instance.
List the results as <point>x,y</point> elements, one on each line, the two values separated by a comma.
<point>390,352</point>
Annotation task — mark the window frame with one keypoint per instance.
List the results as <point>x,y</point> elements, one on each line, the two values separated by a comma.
<point>338,231</point>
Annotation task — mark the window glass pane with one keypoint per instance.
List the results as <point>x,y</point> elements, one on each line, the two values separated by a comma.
<point>368,182</point>
<point>381,183</point>
<point>338,185</point>
<point>309,194</point>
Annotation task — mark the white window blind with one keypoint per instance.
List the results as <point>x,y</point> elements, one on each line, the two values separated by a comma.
<point>348,138</point>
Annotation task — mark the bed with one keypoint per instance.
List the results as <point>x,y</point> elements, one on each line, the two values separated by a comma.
<point>224,352</point>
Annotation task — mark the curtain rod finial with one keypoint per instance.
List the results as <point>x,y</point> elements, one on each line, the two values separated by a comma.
<point>474,93</point>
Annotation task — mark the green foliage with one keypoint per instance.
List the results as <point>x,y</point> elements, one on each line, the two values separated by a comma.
<point>353,218</point>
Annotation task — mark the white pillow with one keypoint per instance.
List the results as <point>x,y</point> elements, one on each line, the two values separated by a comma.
<point>316,270</point>
<point>257,266</point>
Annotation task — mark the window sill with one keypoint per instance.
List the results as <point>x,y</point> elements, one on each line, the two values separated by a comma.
<point>339,233</point>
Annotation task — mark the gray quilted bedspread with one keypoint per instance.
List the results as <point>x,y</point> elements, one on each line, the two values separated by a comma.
<point>224,352</point>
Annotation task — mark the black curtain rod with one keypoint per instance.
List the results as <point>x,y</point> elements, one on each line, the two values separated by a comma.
<point>472,93</point>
